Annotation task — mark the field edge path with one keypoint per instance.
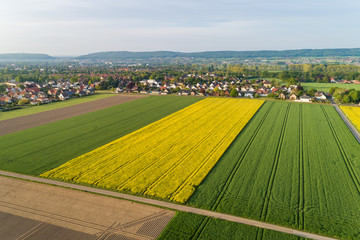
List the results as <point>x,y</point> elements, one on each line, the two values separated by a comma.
<point>172,206</point>
<point>351,127</point>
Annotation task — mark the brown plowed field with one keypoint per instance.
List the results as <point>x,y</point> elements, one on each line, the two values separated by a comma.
<point>39,211</point>
<point>37,119</point>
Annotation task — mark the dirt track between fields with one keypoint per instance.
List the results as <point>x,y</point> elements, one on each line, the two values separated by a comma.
<point>38,119</point>
<point>172,206</point>
<point>351,127</point>
<point>27,208</point>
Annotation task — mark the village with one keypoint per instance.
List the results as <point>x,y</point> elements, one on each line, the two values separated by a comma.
<point>245,88</point>
<point>39,93</point>
<point>31,93</point>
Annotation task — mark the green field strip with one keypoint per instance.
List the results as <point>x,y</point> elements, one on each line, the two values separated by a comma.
<point>205,221</point>
<point>325,87</point>
<point>303,174</point>
<point>301,219</point>
<point>184,225</point>
<point>37,150</point>
<point>353,175</point>
<point>274,169</point>
<point>50,106</point>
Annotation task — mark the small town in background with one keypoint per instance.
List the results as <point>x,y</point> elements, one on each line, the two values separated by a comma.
<point>23,85</point>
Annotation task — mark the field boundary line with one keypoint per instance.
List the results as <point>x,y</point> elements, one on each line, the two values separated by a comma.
<point>184,156</point>
<point>351,127</point>
<point>160,158</point>
<point>233,171</point>
<point>135,141</point>
<point>62,167</point>
<point>274,168</point>
<point>347,162</point>
<point>169,205</point>
<point>20,123</point>
<point>301,211</point>
<point>244,118</point>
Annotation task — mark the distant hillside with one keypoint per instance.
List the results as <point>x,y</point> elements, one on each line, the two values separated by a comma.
<point>25,56</point>
<point>131,55</point>
<point>118,55</point>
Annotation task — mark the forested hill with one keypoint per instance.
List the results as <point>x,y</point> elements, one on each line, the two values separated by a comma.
<point>25,56</point>
<point>118,55</point>
<point>224,54</point>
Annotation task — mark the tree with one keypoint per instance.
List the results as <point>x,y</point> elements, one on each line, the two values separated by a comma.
<point>20,79</point>
<point>300,93</point>
<point>99,87</point>
<point>339,93</point>
<point>354,95</point>
<point>346,99</point>
<point>2,88</point>
<point>23,101</point>
<point>73,79</point>
<point>311,92</point>
<point>234,93</point>
<point>271,95</point>
<point>130,85</point>
<point>332,90</point>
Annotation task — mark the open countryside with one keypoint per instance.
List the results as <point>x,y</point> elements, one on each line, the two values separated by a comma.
<point>60,213</point>
<point>288,176</point>
<point>353,113</point>
<point>180,120</point>
<point>162,159</point>
<point>63,112</point>
<point>53,144</point>
<point>273,168</point>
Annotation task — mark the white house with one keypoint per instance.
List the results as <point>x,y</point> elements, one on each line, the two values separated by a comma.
<point>249,94</point>
<point>320,96</point>
<point>305,98</point>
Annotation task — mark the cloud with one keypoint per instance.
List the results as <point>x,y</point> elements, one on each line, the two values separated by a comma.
<point>82,26</point>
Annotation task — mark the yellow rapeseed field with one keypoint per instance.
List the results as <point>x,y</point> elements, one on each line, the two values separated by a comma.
<point>353,113</point>
<point>167,158</point>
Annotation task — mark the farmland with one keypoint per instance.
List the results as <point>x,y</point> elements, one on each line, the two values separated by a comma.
<point>41,118</point>
<point>292,164</point>
<point>353,113</point>
<point>168,158</point>
<point>47,107</point>
<point>326,86</point>
<point>42,211</point>
<point>295,165</point>
<point>185,225</point>
<point>36,150</point>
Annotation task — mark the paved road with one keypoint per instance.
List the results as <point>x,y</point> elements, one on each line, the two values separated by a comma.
<point>348,123</point>
<point>171,206</point>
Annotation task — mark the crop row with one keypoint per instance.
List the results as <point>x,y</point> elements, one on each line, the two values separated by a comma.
<point>295,165</point>
<point>37,150</point>
<point>183,226</point>
<point>168,158</point>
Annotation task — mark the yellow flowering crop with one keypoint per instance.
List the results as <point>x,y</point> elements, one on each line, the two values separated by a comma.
<point>353,113</point>
<point>167,158</point>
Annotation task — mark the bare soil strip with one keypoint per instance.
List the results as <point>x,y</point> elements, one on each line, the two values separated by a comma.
<point>20,228</point>
<point>38,209</point>
<point>170,206</point>
<point>38,119</point>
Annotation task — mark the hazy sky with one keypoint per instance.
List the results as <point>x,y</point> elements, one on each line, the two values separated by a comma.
<point>75,27</point>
